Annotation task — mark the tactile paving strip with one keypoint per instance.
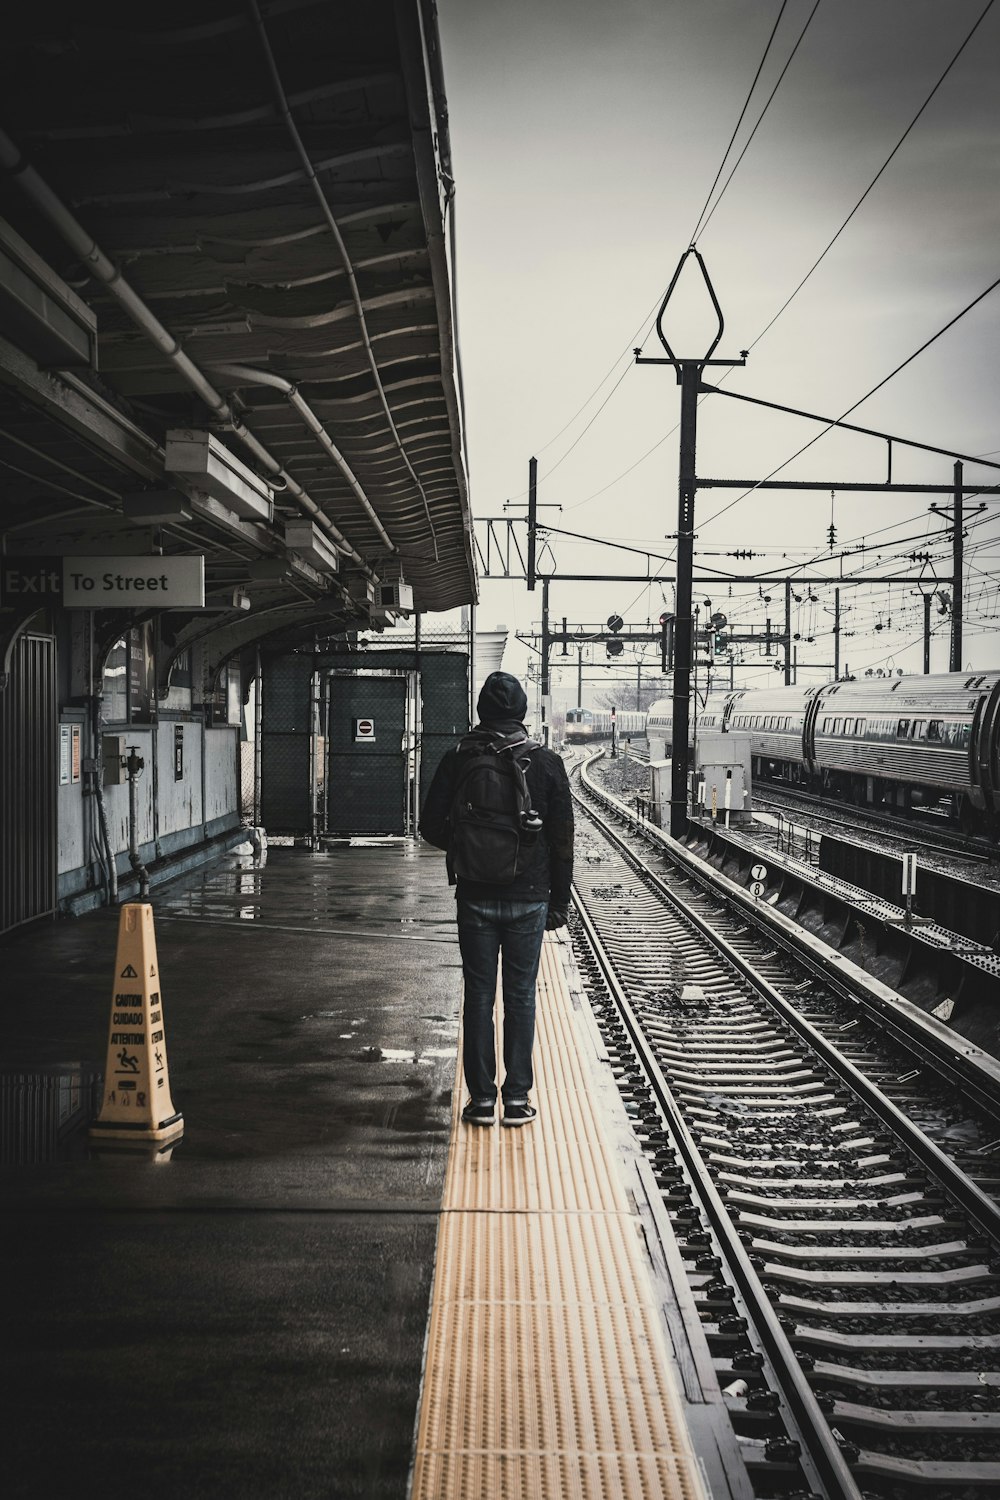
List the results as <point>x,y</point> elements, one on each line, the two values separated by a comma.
<point>546,1377</point>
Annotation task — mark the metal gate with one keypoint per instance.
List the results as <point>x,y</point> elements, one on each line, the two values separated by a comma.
<point>28,783</point>
<point>366,771</point>
<point>286,743</point>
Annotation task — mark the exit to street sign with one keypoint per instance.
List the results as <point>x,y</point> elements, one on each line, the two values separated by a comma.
<point>103,582</point>
<point>133,582</point>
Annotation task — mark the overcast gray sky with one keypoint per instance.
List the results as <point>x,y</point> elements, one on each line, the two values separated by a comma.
<point>586,137</point>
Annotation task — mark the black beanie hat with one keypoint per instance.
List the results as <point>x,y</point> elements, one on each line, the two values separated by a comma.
<point>502,697</point>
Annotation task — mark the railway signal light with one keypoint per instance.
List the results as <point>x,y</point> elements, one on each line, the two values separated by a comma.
<point>718,643</point>
<point>666,643</point>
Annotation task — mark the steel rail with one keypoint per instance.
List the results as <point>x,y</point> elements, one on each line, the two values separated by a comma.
<point>810,1426</point>
<point>980,1208</point>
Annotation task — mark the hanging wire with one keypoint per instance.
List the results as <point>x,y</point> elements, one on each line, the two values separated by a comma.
<point>787,303</point>
<point>746,105</point>
<point>860,401</point>
<point>763,112</point>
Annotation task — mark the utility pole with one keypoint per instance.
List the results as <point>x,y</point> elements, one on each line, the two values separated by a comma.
<point>958,569</point>
<point>788,632</point>
<point>545,661</point>
<point>689,378</point>
<point>836,635</point>
<point>928,600</point>
<point>579,676</point>
<point>532,521</point>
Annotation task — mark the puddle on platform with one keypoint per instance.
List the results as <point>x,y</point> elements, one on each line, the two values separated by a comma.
<point>424,1058</point>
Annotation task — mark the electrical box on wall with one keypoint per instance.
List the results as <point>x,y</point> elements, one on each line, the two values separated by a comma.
<point>395,596</point>
<point>113,759</point>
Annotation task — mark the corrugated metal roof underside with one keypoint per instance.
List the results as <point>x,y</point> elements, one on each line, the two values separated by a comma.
<point>160,130</point>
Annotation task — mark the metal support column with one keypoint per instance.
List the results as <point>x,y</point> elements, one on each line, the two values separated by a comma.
<point>546,731</point>
<point>472,663</point>
<point>958,570</point>
<point>928,600</point>
<point>836,635</point>
<point>690,374</point>
<point>788,632</point>
<point>532,521</point>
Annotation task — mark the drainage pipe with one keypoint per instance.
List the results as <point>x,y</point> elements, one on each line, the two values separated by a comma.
<point>285,111</point>
<point>253,376</point>
<point>104,270</point>
<point>102,811</point>
<point>133,766</point>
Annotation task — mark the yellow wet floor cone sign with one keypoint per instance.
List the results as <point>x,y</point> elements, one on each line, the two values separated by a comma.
<point>136,1103</point>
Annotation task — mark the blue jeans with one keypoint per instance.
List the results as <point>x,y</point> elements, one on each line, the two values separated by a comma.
<point>486,928</point>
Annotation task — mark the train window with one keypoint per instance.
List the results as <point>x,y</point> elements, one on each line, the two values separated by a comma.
<point>903,729</point>
<point>824,726</point>
<point>919,730</point>
<point>862,726</point>
<point>934,727</point>
<point>837,724</point>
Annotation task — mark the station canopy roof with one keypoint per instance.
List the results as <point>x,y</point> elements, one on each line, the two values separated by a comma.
<point>232,220</point>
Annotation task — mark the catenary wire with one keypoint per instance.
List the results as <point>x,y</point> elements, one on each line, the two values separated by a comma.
<point>787,303</point>
<point>760,118</point>
<point>860,401</point>
<point>746,105</point>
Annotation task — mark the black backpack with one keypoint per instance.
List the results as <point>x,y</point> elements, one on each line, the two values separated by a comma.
<point>490,803</point>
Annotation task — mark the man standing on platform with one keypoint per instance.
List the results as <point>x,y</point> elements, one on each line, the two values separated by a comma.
<point>500,805</point>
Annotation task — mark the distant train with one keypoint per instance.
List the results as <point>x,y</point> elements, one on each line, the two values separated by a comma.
<point>584,724</point>
<point>900,741</point>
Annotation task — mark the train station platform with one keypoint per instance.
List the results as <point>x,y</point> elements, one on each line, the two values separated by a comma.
<point>246,1312</point>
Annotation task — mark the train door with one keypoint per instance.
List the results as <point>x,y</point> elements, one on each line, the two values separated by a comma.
<point>28,783</point>
<point>367,790</point>
<point>984,749</point>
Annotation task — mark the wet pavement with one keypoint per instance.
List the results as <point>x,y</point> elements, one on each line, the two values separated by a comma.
<point>245,1313</point>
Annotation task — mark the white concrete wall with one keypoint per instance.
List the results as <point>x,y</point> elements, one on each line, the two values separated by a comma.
<point>207,791</point>
<point>222,788</point>
<point>180,801</point>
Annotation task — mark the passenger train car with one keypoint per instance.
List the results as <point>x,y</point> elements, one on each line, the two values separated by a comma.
<point>584,724</point>
<point>899,742</point>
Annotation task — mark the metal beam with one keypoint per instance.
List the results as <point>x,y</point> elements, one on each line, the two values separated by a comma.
<point>87,415</point>
<point>836,484</point>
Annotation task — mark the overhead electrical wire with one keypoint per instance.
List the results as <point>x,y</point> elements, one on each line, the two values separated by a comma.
<point>703,221</point>
<point>647,320</point>
<point>746,105</point>
<point>860,401</point>
<point>875,179</point>
<point>704,225</point>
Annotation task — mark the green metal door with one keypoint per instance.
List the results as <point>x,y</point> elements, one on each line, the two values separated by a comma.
<point>366,775</point>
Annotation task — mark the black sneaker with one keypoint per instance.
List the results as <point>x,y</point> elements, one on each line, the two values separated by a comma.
<point>482,1112</point>
<point>519,1114</point>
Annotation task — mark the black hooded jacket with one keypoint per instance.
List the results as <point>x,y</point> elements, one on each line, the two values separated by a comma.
<point>549,873</point>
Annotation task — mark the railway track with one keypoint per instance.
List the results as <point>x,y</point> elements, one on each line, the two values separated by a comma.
<point>925,830</point>
<point>836,1205</point>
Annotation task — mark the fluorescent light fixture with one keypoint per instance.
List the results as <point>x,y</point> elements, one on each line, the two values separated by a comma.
<point>209,465</point>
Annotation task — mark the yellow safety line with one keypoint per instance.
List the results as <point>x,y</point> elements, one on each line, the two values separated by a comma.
<point>546,1376</point>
